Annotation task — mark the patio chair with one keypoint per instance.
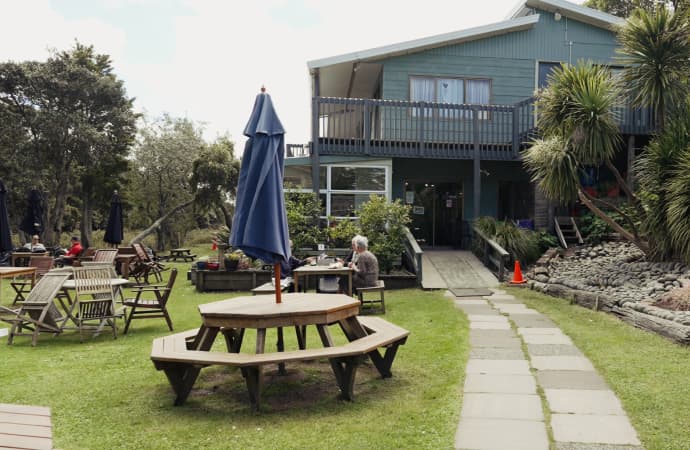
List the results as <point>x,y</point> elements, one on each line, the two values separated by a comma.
<point>38,311</point>
<point>150,308</point>
<point>94,300</point>
<point>23,285</point>
<point>145,266</point>
<point>105,255</point>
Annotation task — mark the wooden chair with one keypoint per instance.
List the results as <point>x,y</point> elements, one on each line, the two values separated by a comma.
<point>38,311</point>
<point>94,300</point>
<point>375,305</point>
<point>145,266</point>
<point>23,285</point>
<point>105,255</point>
<point>148,308</point>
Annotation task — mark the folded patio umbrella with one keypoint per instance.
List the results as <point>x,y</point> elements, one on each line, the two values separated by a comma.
<point>5,235</point>
<point>114,231</point>
<point>32,223</point>
<point>259,227</point>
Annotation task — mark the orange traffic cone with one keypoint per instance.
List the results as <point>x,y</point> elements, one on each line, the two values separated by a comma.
<point>517,275</point>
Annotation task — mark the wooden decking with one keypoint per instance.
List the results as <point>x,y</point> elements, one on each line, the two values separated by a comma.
<point>25,427</point>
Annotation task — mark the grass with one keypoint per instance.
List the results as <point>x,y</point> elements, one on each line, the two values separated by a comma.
<point>648,373</point>
<point>106,393</point>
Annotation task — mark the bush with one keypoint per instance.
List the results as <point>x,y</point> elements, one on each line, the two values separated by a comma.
<point>523,245</point>
<point>303,210</point>
<point>384,223</point>
<point>340,233</point>
<point>593,229</point>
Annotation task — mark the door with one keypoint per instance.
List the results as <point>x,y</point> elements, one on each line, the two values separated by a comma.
<point>436,212</point>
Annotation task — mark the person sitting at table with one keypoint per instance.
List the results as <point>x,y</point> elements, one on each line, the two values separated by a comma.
<point>72,254</point>
<point>286,267</point>
<point>364,264</point>
<point>35,245</point>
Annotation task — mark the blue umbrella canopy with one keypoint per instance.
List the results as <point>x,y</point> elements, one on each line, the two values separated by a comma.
<point>259,227</point>
<point>114,230</point>
<point>5,235</point>
<point>32,223</point>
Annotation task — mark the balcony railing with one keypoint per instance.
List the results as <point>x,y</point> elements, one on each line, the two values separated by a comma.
<point>348,126</point>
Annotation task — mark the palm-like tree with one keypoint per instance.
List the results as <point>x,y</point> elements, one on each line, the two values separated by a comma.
<point>655,49</point>
<point>576,117</point>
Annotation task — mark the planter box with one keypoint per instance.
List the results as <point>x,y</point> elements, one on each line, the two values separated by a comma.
<point>399,281</point>
<point>240,280</point>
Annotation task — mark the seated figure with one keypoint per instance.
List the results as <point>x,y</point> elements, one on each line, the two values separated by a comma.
<point>35,245</point>
<point>364,264</point>
<point>71,255</point>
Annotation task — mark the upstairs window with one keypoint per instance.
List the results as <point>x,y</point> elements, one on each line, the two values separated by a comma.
<point>449,90</point>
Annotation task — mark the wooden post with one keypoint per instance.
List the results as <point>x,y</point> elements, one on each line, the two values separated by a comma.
<point>476,172</point>
<point>276,282</point>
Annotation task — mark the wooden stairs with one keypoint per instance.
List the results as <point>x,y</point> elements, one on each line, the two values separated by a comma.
<point>567,231</point>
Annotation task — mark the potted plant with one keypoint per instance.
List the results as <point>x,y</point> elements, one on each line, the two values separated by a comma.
<point>232,260</point>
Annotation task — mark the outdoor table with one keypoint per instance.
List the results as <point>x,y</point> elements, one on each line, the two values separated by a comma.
<point>261,312</point>
<point>307,271</point>
<point>66,303</point>
<point>11,272</point>
<point>117,284</point>
<point>122,262</point>
<point>180,253</point>
<point>25,255</point>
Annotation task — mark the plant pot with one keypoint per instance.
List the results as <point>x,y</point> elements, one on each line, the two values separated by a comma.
<point>231,264</point>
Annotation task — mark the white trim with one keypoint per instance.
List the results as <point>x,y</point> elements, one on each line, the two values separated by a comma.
<point>417,45</point>
<point>577,12</point>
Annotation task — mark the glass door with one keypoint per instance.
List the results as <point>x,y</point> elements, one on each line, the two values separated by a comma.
<point>436,212</point>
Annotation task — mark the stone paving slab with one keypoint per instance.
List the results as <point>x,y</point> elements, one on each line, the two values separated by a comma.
<point>477,309</point>
<point>583,446</point>
<point>496,353</point>
<point>505,301</point>
<point>562,363</point>
<point>489,326</point>
<point>497,291</point>
<point>553,350</point>
<point>498,434</point>
<point>584,401</point>
<point>498,366</point>
<point>487,318</point>
<point>494,341</point>
<point>531,321</point>
<point>557,339</point>
<point>498,297</point>
<point>570,379</point>
<point>518,309</point>
<point>468,301</point>
<point>540,330</point>
<point>590,428</point>
<point>502,406</point>
<point>493,334</point>
<point>504,384</point>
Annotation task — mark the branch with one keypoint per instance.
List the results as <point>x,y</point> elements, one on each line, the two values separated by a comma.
<point>157,224</point>
<point>616,209</point>
<point>623,185</point>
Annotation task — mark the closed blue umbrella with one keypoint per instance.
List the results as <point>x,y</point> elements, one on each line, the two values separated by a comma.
<point>259,227</point>
<point>5,235</point>
<point>32,223</point>
<point>114,230</point>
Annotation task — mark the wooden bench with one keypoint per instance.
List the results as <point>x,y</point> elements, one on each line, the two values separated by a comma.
<point>27,427</point>
<point>180,253</point>
<point>267,289</point>
<point>369,305</point>
<point>176,355</point>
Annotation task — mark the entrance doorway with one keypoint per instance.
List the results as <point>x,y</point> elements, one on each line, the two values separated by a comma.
<point>436,212</point>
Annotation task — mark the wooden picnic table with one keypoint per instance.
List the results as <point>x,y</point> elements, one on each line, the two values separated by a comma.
<point>25,255</point>
<point>11,272</point>
<point>25,427</point>
<point>308,270</point>
<point>184,254</point>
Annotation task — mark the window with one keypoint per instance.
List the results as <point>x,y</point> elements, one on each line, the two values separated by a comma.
<point>449,90</point>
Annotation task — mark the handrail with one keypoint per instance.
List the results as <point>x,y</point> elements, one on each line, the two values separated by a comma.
<point>493,253</point>
<point>414,253</point>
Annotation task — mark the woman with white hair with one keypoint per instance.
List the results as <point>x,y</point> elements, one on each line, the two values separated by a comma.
<point>366,266</point>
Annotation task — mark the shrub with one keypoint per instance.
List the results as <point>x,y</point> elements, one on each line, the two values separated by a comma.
<point>384,223</point>
<point>523,245</point>
<point>340,233</point>
<point>593,229</point>
<point>303,210</point>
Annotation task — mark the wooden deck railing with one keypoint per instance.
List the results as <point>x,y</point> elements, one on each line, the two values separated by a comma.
<point>494,257</point>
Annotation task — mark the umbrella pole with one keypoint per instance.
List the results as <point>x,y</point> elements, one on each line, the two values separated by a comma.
<point>276,278</point>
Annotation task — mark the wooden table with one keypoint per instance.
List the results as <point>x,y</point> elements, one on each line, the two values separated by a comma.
<point>25,255</point>
<point>122,262</point>
<point>181,253</point>
<point>27,427</point>
<point>307,271</point>
<point>11,272</point>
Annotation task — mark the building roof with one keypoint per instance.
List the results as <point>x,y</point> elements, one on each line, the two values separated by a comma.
<point>581,13</point>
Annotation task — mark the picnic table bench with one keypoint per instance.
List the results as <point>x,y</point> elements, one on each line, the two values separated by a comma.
<point>26,427</point>
<point>268,288</point>
<point>184,254</point>
<point>178,356</point>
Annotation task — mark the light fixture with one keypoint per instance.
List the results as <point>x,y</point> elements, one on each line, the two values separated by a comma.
<point>557,16</point>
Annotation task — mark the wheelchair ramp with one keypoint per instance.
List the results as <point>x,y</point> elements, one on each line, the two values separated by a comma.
<point>456,270</point>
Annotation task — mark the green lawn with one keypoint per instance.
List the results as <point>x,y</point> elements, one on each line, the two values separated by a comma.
<point>106,393</point>
<point>650,374</point>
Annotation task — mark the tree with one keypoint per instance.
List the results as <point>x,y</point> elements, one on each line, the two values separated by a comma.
<point>383,223</point>
<point>579,128</point>
<point>71,122</point>
<point>655,49</point>
<point>161,174</point>
<point>214,177</point>
<point>625,8</point>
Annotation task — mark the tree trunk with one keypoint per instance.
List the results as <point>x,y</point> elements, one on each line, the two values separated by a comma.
<point>157,224</point>
<point>226,214</point>
<point>613,224</point>
<point>86,222</point>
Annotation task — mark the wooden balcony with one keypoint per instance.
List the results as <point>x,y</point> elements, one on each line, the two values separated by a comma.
<point>392,128</point>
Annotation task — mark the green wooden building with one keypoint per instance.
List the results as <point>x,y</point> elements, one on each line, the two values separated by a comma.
<point>440,122</point>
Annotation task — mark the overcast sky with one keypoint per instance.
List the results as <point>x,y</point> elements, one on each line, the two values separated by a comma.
<point>207,59</point>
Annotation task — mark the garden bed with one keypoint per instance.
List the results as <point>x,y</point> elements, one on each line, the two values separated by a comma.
<point>220,280</point>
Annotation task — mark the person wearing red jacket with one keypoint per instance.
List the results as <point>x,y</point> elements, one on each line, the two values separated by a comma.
<point>72,254</point>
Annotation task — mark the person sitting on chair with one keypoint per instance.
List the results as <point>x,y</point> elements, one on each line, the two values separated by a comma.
<point>72,254</point>
<point>35,245</point>
<point>364,264</point>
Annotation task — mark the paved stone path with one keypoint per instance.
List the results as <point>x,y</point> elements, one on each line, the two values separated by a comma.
<point>507,390</point>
